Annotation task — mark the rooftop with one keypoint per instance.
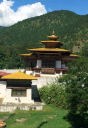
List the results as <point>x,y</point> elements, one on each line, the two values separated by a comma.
<point>19,75</point>
<point>3,73</point>
<point>50,49</point>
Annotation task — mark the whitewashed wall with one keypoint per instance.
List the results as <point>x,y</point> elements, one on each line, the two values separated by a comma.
<point>2,90</point>
<point>39,63</point>
<point>58,63</point>
<point>5,95</point>
<point>17,100</point>
<point>45,79</point>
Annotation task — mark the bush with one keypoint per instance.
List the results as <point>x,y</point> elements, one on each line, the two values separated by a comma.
<point>54,94</point>
<point>76,86</point>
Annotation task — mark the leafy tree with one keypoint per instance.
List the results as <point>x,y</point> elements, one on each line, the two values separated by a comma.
<point>76,83</point>
<point>84,50</point>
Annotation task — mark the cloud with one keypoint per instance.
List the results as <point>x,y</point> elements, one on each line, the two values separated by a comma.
<point>9,17</point>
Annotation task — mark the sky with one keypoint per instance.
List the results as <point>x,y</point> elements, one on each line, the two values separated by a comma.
<point>13,11</point>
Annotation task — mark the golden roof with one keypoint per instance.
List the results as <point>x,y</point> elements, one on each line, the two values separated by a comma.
<point>50,41</point>
<point>53,37</point>
<point>49,49</point>
<point>27,54</point>
<point>19,75</point>
<point>74,55</point>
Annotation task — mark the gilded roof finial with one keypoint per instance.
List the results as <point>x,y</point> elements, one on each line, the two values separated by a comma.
<point>53,33</point>
<point>53,36</point>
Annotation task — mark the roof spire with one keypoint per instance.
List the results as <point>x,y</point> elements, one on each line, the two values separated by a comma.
<point>53,33</point>
<point>53,36</point>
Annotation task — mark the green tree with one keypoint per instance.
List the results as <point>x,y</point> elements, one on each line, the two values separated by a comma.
<point>84,50</point>
<point>76,83</point>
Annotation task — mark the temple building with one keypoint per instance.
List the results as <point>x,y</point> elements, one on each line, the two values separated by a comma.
<point>16,88</point>
<point>21,88</point>
<point>51,59</point>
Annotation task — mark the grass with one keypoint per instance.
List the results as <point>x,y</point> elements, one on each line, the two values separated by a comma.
<point>50,117</point>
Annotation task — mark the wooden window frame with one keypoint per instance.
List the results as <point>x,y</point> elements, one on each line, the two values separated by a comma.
<point>19,92</point>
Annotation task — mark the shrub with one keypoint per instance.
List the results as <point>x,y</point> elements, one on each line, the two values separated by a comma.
<point>54,94</point>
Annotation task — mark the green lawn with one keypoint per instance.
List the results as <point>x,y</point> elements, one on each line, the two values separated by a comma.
<point>50,117</point>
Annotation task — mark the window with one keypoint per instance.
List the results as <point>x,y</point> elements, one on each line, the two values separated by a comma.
<point>48,64</point>
<point>18,92</point>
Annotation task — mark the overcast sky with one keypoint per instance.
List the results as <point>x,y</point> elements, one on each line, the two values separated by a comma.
<point>13,11</point>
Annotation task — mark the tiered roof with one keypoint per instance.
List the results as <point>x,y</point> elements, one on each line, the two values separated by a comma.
<point>52,45</point>
<point>52,41</point>
<point>50,50</point>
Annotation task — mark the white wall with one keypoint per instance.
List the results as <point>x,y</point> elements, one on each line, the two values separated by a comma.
<point>18,100</point>
<point>5,95</point>
<point>2,89</point>
<point>12,70</point>
<point>39,64</point>
<point>45,79</point>
<point>58,63</point>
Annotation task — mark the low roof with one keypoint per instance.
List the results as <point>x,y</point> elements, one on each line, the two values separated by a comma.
<point>19,75</point>
<point>3,73</point>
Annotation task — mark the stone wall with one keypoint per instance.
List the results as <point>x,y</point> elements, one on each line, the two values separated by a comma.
<point>13,107</point>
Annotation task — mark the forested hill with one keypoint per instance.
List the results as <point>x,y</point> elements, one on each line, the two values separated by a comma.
<point>71,28</point>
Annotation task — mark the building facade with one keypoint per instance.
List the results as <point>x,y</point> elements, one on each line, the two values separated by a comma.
<point>51,59</point>
<point>16,88</point>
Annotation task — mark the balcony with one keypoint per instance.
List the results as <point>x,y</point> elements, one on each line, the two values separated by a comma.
<point>50,70</point>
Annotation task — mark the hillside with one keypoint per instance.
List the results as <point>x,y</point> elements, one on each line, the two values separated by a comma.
<point>71,28</point>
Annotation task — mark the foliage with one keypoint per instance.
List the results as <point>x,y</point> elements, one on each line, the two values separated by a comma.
<point>78,65</point>
<point>84,50</point>
<point>71,28</point>
<point>54,94</point>
<point>76,83</point>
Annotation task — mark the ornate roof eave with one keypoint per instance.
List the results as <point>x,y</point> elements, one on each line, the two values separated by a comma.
<point>28,54</point>
<point>50,50</point>
<point>51,41</point>
<point>74,55</point>
<point>71,57</point>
